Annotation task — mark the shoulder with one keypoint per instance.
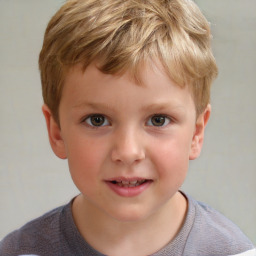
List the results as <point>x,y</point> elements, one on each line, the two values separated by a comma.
<point>35,236</point>
<point>213,233</point>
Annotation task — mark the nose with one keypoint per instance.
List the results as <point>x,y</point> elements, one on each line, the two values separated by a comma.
<point>128,147</point>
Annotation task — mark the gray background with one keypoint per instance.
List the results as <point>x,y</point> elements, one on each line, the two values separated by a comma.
<point>33,180</point>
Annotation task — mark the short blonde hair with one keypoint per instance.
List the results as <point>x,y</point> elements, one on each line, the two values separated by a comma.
<point>122,35</point>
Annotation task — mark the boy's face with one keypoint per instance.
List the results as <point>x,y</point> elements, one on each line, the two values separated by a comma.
<point>128,145</point>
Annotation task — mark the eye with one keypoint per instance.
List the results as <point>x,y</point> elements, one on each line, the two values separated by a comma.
<point>158,120</point>
<point>97,120</point>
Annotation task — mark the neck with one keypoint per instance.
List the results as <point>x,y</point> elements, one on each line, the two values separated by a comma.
<point>114,237</point>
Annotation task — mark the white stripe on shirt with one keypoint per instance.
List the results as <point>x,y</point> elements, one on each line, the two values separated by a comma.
<point>247,253</point>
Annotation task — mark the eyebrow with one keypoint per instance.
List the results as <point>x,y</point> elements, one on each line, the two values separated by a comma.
<point>161,106</point>
<point>93,105</point>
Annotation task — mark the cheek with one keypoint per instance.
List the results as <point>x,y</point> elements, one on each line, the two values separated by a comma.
<point>85,159</point>
<point>172,170</point>
<point>172,158</point>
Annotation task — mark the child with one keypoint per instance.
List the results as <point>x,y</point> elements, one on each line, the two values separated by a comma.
<point>126,86</point>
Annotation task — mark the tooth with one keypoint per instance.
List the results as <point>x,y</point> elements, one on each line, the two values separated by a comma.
<point>126,183</point>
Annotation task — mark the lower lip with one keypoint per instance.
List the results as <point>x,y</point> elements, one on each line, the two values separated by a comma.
<point>129,191</point>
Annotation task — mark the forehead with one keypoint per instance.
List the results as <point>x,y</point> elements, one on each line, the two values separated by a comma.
<point>143,74</point>
<point>92,87</point>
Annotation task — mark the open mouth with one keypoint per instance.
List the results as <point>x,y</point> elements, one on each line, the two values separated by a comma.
<point>129,184</point>
<point>129,187</point>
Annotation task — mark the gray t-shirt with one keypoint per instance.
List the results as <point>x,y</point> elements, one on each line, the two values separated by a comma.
<point>205,233</point>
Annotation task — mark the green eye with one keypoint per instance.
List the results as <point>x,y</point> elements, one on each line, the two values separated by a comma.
<point>158,120</point>
<point>97,120</point>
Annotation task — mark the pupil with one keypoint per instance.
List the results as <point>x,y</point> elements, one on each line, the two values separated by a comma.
<point>97,120</point>
<point>158,120</point>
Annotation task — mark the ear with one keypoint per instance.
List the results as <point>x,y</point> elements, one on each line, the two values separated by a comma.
<point>54,133</point>
<point>198,137</point>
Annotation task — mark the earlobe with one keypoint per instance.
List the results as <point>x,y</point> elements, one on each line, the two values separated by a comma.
<point>198,137</point>
<point>54,133</point>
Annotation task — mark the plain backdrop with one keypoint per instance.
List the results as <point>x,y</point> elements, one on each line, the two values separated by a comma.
<point>33,180</point>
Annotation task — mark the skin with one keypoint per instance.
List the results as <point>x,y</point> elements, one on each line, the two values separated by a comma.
<point>129,144</point>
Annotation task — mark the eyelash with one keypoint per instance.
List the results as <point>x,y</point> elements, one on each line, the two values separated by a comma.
<point>106,122</point>
<point>88,120</point>
<point>165,117</point>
